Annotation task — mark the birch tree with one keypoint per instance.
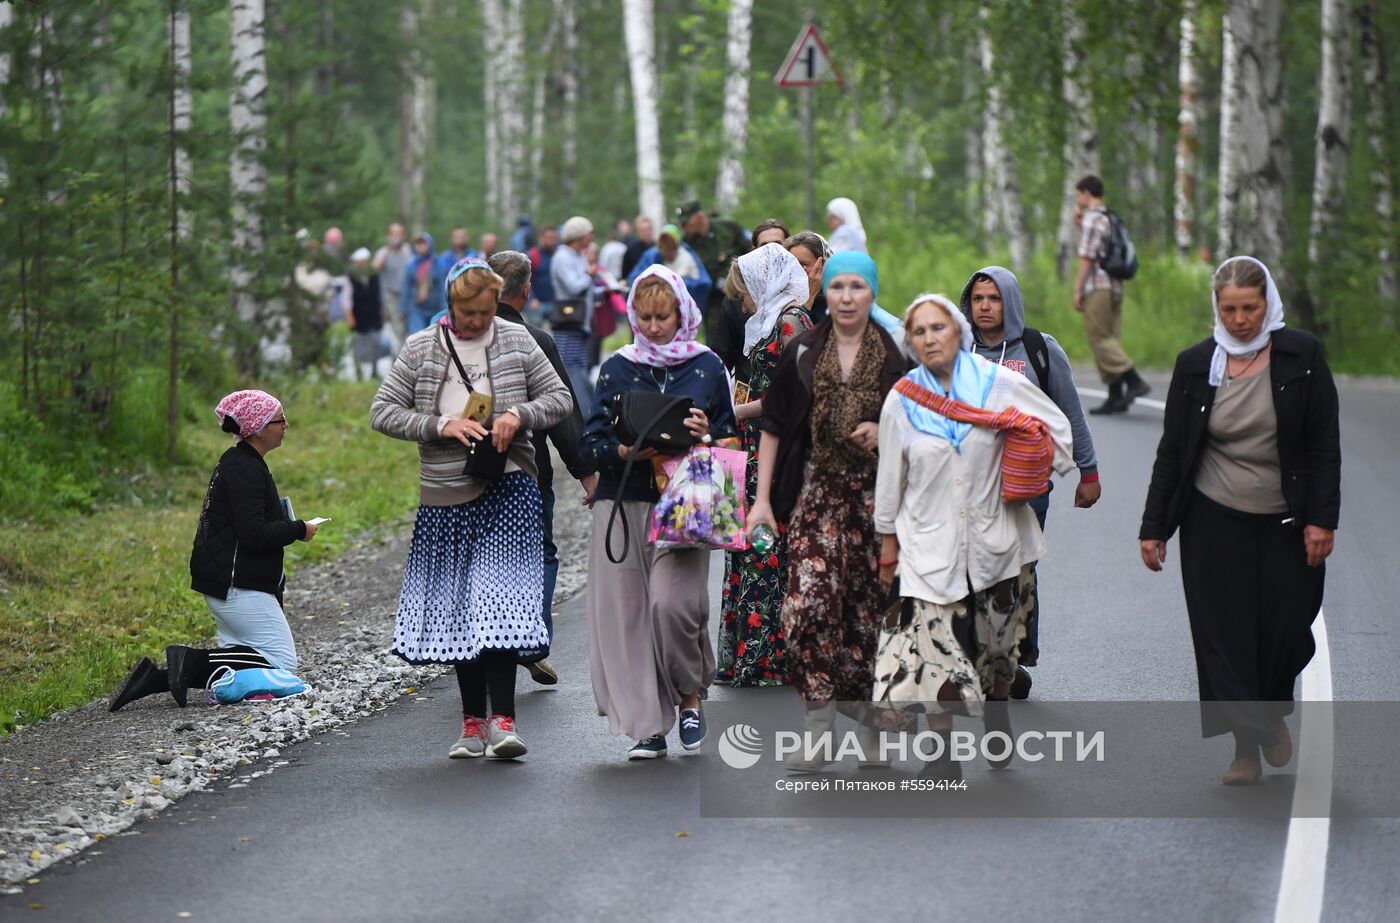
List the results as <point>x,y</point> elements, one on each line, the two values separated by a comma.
<point>6,17</point>
<point>491,15</point>
<point>1263,232</point>
<point>568,80</point>
<point>1188,124</point>
<point>247,173</point>
<point>417,113</point>
<point>639,32</point>
<point>1006,184</point>
<point>730,183</point>
<point>1377,131</point>
<point>1333,134</point>
<point>1227,205</point>
<point>1081,140</point>
<point>510,92</point>
<point>180,229</point>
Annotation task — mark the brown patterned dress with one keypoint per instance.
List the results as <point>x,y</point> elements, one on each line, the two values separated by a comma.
<point>832,612</point>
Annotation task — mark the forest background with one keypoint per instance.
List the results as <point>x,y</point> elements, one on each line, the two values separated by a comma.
<point>158,156</point>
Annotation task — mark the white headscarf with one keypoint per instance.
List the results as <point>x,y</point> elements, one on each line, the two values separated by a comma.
<point>775,280</point>
<point>846,210</point>
<point>1225,344</point>
<point>682,347</point>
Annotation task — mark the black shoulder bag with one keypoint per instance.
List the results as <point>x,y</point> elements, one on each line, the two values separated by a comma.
<point>627,410</point>
<point>483,461</point>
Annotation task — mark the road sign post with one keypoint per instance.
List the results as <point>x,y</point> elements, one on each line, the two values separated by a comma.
<point>808,64</point>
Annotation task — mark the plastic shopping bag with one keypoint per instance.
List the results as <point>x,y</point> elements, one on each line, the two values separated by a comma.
<point>704,503</point>
<point>232,685</point>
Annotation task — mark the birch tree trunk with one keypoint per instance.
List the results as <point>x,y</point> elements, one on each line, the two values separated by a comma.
<point>6,17</point>
<point>640,34</point>
<point>730,184</point>
<point>1006,185</point>
<point>1333,138</point>
<point>181,118</point>
<point>1188,125</point>
<point>1377,90</point>
<point>1081,140</point>
<point>568,24</point>
<point>537,107</point>
<point>510,93</point>
<point>1263,228</point>
<point>247,173</point>
<point>1227,206</point>
<point>417,113</point>
<point>491,15</point>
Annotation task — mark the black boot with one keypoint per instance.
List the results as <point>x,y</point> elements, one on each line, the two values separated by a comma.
<point>145,678</point>
<point>997,717</point>
<point>1136,387</point>
<point>1115,403</point>
<point>1021,685</point>
<point>182,670</point>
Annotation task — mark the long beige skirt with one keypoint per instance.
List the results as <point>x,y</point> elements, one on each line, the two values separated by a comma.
<point>648,625</point>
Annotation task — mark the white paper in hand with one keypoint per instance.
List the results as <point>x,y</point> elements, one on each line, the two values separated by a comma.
<point>318,520</point>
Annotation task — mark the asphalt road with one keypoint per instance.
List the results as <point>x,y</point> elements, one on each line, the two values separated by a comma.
<point>379,824</point>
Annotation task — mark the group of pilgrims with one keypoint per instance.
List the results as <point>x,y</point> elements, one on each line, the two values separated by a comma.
<point>900,573</point>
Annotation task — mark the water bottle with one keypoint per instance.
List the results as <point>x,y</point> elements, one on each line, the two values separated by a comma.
<point>762,538</point>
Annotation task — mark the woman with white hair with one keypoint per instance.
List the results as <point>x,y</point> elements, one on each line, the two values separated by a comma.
<point>1249,469</point>
<point>572,319</point>
<point>847,233</point>
<point>963,555</point>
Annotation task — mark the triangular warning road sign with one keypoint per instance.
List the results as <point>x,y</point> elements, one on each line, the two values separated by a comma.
<point>808,64</point>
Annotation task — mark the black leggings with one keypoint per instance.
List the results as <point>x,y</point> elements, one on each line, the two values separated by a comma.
<point>201,665</point>
<point>493,671</point>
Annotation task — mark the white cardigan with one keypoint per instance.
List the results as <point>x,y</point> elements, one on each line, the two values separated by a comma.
<point>945,504</point>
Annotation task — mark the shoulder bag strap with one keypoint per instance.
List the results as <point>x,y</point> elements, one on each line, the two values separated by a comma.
<point>622,484</point>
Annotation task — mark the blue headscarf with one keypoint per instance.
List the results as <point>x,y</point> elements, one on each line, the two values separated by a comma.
<point>971,381</point>
<point>459,267</point>
<point>863,266</point>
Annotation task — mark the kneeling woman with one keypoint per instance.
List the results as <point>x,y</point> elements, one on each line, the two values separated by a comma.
<point>236,561</point>
<point>474,580</point>
<point>648,617</point>
<point>964,556</point>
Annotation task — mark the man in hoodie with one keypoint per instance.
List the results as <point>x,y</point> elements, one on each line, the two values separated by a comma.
<point>422,285</point>
<point>991,300</point>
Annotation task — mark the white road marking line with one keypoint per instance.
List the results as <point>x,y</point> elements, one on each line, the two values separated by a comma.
<point>1304,877</point>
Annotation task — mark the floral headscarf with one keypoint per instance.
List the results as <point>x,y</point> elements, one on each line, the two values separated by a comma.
<point>682,347</point>
<point>250,411</point>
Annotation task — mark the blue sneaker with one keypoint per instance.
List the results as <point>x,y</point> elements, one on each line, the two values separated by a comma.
<point>649,749</point>
<point>692,728</point>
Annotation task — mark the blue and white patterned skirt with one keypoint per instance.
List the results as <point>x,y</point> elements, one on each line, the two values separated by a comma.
<point>474,577</point>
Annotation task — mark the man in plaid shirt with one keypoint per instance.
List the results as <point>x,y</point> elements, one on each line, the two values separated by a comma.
<point>1099,297</point>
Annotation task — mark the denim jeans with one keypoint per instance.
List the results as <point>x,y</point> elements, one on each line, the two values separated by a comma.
<point>551,574</point>
<point>1030,644</point>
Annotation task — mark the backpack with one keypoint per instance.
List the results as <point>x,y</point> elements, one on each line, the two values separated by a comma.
<point>1119,258</point>
<point>1038,354</point>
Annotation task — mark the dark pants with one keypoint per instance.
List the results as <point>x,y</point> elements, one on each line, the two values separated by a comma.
<point>551,575</point>
<point>493,674</point>
<point>1030,644</point>
<point>1251,598</point>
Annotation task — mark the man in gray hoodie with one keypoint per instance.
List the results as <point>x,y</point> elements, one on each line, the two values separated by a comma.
<point>992,302</point>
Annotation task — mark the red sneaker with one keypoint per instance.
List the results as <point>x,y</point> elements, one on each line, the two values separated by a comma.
<point>473,742</point>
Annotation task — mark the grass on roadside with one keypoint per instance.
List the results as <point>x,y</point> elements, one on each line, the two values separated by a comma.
<point>82,595</point>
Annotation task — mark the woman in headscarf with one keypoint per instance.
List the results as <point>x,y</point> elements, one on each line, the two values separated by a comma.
<point>675,254</point>
<point>771,287</point>
<point>812,252</point>
<point>847,233</point>
<point>648,617</point>
<point>474,578</point>
<point>965,558</point>
<point>236,562</point>
<point>816,474</point>
<point>1249,468</point>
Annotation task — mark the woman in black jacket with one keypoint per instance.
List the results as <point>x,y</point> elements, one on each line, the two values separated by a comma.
<point>236,561</point>
<point>1249,468</point>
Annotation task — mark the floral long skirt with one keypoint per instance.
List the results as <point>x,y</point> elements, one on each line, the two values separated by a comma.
<point>832,612</point>
<point>751,646</point>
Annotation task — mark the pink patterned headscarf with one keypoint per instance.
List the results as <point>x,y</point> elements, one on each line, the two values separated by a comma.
<point>250,410</point>
<point>683,347</point>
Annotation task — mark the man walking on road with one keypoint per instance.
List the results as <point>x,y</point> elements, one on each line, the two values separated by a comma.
<point>514,267</point>
<point>391,264</point>
<point>1099,297</point>
<point>717,241</point>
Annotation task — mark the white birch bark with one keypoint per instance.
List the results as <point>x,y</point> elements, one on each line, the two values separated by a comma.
<point>1188,126</point>
<point>1333,136</point>
<point>1081,141</point>
<point>181,116</point>
<point>537,105</point>
<point>1227,205</point>
<point>1006,184</point>
<point>247,173</point>
<point>1374,76</point>
<point>491,16</point>
<point>568,78</point>
<point>730,184</point>
<point>640,33</point>
<point>510,89</point>
<point>1262,230</point>
<point>417,113</point>
<point>6,17</point>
